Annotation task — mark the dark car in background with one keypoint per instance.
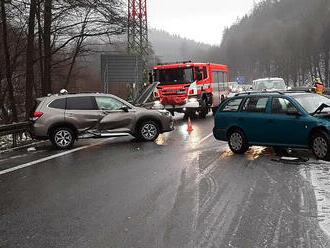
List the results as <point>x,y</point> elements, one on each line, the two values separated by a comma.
<point>289,119</point>
<point>65,118</point>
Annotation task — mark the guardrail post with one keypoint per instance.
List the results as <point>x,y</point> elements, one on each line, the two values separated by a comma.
<point>14,140</point>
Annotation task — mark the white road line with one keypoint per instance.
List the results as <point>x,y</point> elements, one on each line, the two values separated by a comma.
<point>205,138</point>
<point>51,157</point>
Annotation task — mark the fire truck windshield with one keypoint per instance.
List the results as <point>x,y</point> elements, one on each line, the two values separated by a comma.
<point>174,76</point>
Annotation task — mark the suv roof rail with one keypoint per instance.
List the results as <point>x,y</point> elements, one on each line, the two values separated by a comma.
<point>260,92</point>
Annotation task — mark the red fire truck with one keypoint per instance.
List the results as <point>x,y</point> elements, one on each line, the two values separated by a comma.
<point>191,88</point>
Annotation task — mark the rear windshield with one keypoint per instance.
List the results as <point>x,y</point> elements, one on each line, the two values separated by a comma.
<point>277,84</point>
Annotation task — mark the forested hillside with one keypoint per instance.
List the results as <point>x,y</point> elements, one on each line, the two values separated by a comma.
<point>170,48</point>
<point>286,38</point>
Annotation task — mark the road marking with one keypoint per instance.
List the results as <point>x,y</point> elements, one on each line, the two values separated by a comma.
<point>51,157</point>
<point>205,138</point>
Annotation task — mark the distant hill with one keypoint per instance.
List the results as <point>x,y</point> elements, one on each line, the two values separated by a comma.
<point>171,48</point>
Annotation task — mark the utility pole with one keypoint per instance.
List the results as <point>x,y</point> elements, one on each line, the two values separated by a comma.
<point>137,35</point>
<point>137,27</point>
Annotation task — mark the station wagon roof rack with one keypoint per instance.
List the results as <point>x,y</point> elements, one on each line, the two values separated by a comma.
<point>259,92</point>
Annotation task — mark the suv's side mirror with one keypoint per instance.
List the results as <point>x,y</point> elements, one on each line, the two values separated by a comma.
<point>124,108</point>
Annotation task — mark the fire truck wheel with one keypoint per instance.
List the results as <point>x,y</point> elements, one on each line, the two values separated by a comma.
<point>190,113</point>
<point>203,111</point>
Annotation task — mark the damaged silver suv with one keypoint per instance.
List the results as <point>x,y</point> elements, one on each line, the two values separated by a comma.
<point>66,118</point>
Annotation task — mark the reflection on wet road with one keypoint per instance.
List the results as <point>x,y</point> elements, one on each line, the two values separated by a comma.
<point>183,190</point>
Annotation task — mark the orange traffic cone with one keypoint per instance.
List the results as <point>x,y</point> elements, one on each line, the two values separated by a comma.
<point>189,125</point>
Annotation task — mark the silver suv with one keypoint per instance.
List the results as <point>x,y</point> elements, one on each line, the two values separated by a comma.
<point>65,118</point>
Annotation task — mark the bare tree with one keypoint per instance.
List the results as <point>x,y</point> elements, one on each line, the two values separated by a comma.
<point>30,50</point>
<point>9,71</point>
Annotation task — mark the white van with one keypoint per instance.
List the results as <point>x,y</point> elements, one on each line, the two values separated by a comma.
<point>269,84</point>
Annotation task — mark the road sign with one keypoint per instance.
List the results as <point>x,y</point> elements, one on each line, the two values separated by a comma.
<point>240,79</point>
<point>121,68</point>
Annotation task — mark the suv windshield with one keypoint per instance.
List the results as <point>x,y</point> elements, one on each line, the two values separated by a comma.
<point>311,102</point>
<point>270,85</point>
<point>174,76</point>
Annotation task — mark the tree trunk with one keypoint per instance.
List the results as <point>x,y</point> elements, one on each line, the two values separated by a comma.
<point>326,68</point>
<point>40,45</point>
<point>77,50</point>
<point>317,68</point>
<point>46,84</point>
<point>29,59</point>
<point>7,60</point>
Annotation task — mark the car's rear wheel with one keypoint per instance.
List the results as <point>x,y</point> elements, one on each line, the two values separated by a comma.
<point>148,131</point>
<point>320,144</point>
<point>62,137</point>
<point>237,141</point>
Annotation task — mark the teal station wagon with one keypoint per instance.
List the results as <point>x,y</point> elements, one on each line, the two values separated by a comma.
<point>278,119</point>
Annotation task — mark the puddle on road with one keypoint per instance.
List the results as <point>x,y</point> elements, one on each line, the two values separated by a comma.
<point>161,140</point>
<point>317,173</point>
<point>255,152</point>
<point>252,154</point>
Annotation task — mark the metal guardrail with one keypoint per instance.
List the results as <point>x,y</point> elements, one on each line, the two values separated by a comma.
<point>15,129</point>
<point>326,90</point>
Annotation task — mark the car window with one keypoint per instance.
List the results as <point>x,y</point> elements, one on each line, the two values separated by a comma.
<point>81,103</point>
<point>255,105</point>
<point>58,103</point>
<point>108,103</point>
<point>232,105</point>
<point>215,78</point>
<point>282,105</point>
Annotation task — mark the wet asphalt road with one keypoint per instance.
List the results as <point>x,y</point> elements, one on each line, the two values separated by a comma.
<point>184,190</point>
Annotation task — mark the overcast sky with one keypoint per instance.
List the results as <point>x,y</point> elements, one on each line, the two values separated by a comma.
<point>200,20</point>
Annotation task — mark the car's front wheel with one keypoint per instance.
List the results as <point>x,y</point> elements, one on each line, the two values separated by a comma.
<point>321,145</point>
<point>62,137</point>
<point>148,131</point>
<point>237,141</point>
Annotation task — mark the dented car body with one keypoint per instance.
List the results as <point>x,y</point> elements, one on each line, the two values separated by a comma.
<point>65,118</point>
